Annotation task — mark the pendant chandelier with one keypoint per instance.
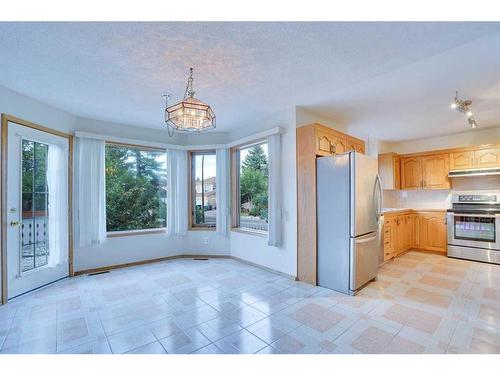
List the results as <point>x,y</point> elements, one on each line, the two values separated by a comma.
<point>189,115</point>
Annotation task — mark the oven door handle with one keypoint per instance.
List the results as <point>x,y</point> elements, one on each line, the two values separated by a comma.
<point>474,215</point>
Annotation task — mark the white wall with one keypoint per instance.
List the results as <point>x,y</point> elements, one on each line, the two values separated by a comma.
<point>120,249</point>
<point>253,248</point>
<point>304,117</point>
<point>472,137</point>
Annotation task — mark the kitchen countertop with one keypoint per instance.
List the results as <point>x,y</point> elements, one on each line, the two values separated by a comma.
<point>399,211</point>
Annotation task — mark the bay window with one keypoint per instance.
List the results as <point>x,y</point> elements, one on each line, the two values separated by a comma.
<point>136,181</point>
<point>251,187</point>
<point>203,189</point>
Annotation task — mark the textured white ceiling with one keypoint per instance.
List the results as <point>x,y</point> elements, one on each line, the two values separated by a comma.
<point>393,81</point>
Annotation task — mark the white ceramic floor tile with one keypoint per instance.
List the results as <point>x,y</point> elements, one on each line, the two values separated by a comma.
<point>152,348</point>
<point>241,342</point>
<point>132,339</point>
<point>185,342</point>
<point>421,303</point>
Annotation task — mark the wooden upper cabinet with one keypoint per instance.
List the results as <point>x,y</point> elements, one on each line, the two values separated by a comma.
<point>486,158</point>
<point>331,142</point>
<point>461,160</point>
<point>397,172</point>
<point>324,144</point>
<point>425,172</point>
<point>478,158</point>
<point>435,170</point>
<point>411,173</point>
<point>340,145</point>
<point>356,146</point>
<point>389,169</point>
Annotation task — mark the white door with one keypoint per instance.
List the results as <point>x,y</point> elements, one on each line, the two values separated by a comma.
<point>37,209</point>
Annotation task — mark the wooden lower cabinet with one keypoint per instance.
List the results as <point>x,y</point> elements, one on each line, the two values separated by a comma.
<point>400,233</point>
<point>409,224</point>
<point>432,231</point>
<point>388,245</point>
<point>414,230</point>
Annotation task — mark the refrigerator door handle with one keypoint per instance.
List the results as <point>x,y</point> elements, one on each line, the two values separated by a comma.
<point>380,200</point>
<point>365,239</point>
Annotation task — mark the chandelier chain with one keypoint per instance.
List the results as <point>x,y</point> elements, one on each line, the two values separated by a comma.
<point>189,87</point>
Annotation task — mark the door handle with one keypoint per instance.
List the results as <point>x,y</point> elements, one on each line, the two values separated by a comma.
<point>14,223</point>
<point>380,203</point>
<point>366,239</point>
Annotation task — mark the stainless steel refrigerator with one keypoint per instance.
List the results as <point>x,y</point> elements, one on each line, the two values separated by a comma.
<point>349,209</point>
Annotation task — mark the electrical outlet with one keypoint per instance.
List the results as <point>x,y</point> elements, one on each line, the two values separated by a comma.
<point>205,240</point>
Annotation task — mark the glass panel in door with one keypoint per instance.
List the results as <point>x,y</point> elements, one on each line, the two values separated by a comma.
<point>35,196</point>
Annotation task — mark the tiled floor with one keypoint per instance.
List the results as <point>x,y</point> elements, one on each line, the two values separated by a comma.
<point>421,303</point>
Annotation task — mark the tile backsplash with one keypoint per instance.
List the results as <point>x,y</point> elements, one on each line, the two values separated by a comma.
<point>438,198</point>
<point>417,198</point>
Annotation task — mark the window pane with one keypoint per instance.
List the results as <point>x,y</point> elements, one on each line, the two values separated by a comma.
<point>204,204</point>
<point>253,187</point>
<point>136,188</point>
<point>40,175</point>
<point>28,165</point>
<point>34,201</point>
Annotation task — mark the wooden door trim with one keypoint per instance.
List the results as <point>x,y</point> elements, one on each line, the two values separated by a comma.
<point>3,216</point>
<point>3,186</point>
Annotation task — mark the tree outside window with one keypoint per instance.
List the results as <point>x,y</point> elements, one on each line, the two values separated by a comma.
<point>136,194</point>
<point>253,185</point>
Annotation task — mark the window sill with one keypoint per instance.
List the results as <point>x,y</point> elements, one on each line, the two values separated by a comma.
<point>138,232</point>
<point>208,229</point>
<point>251,232</point>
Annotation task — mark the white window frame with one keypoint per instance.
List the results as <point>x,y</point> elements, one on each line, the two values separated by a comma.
<point>236,191</point>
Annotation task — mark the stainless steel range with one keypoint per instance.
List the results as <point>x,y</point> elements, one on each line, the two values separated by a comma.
<point>474,227</point>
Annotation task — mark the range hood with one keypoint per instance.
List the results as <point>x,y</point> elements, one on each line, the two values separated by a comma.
<point>474,172</point>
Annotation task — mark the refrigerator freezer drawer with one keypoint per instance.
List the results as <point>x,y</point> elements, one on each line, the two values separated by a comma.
<point>364,260</point>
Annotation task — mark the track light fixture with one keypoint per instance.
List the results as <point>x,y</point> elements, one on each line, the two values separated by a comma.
<point>464,107</point>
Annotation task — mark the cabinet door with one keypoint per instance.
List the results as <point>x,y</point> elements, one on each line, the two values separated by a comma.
<point>461,160</point>
<point>487,158</point>
<point>411,173</point>
<point>356,146</point>
<point>400,234</point>
<point>396,161</point>
<point>324,143</point>
<point>435,171</point>
<point>432,231</point>
<point>409,227</point>
<point>339,145</point>
<point>416,231</point>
